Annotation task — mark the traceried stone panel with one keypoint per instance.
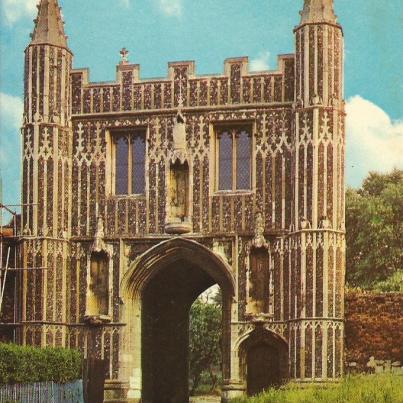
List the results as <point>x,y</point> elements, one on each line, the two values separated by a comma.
<point>289,79</point>
<point>322,46</point>
<point>107,99</point>
<point>180,77</point>
<point>76,80</point>
<point>87,94</point>
<point>236,83</point>
<point>271,161</point>
<point>321,184</point>
<point>127,79</point>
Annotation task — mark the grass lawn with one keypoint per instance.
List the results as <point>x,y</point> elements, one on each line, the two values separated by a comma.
<point>353,389</point>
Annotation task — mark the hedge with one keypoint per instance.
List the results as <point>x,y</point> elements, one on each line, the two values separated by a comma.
<point>26,364</point>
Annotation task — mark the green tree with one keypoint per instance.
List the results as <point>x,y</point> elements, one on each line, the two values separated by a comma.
<point>374,232</point>
<point>205,342</point>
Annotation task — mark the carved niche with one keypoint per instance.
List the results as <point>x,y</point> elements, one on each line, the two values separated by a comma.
<point>178,202</point>
<point>98,279</point>
<point>98,287</point>
<point>259,274</point>
<point>179,191</point>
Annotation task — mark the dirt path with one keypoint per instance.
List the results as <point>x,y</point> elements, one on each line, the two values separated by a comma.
<point>205,399</point>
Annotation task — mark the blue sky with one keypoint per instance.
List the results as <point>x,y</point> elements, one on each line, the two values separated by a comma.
<point>208,31</point>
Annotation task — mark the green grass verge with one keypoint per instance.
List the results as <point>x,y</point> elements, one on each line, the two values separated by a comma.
<point>353,389</point>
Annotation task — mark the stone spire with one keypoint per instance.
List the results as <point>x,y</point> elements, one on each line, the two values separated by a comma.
<point>318,11</point>
<point>49,27</point>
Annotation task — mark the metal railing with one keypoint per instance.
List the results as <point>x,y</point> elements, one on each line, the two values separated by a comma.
<point>42,392</point>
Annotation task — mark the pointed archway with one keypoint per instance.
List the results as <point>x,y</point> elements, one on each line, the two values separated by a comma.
<point>164,282</point>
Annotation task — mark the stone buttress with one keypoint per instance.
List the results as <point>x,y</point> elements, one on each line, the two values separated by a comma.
<point>46,180</point>
<point>316,248</point>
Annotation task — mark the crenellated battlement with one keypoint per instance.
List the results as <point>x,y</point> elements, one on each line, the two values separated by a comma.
<point>236,86</point>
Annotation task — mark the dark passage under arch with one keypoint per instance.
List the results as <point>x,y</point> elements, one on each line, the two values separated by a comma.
<point>166,303</point>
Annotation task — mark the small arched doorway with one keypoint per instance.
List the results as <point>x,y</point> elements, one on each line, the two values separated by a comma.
<point>165,281</point>
<point>264,361</point>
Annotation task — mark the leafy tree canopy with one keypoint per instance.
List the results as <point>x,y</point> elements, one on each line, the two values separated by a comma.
<point>374,228</point>
<point>205,341</point>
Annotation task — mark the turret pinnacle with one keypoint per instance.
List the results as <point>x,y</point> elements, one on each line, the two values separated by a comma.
<point>318,11</point>
<point>49,25</point>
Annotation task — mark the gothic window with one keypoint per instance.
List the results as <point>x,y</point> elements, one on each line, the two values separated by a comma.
<point>234,146</point>
<point>129,167</point>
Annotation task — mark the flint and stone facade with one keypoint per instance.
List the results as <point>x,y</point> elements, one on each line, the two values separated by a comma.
<point>276,249</point>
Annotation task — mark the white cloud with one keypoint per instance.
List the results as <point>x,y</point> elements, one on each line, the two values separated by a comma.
<point>16,9</point>
<point>171,8</point>
<point>11,109</point>
<point>374,140</point>
<point>260,63</point>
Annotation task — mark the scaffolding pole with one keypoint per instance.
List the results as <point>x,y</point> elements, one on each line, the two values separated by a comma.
<point>6,269</point>
<point>3,281</point>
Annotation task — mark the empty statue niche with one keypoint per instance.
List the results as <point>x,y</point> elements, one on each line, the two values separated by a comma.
<point>259,280</point>
<point>178,201</point>
<point>98,289</point>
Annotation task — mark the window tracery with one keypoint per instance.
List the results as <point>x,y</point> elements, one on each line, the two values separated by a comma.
<point>129,163</point>
<point>234,159</point>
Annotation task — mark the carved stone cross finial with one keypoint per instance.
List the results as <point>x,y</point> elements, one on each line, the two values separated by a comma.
<point>124,54</point>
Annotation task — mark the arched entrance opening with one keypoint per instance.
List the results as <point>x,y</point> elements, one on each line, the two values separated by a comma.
<point>264,361</point>
<point>166,280</point>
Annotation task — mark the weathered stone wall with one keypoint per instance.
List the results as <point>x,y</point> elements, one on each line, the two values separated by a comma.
<point>292,209</point>
<point>212,211</point>
<point>374,328</point>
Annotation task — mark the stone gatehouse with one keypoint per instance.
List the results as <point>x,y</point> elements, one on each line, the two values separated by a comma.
<point>141,194</point>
